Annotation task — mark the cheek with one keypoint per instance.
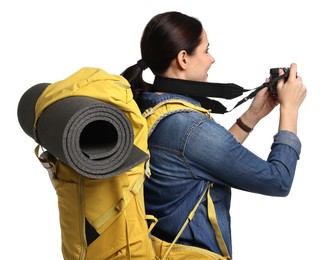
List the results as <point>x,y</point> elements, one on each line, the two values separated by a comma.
<point>209,61</point>
<point>205,66</point>
<point>199,70</point>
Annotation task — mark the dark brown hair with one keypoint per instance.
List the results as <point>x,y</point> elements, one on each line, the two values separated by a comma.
<point>163,38</point>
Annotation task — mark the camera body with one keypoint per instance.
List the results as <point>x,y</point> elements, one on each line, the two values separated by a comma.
<point>274,73</point>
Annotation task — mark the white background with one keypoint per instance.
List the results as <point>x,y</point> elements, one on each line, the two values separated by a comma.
<point>46,41</point>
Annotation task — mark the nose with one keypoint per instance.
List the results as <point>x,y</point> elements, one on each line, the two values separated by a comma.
<point>212,59</point>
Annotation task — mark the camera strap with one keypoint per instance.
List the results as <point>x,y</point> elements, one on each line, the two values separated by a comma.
<point>200,91</point>
<point>264,85</point>
<point>204,91</point>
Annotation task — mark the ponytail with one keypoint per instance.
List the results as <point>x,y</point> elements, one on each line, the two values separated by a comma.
<point>134,75</point>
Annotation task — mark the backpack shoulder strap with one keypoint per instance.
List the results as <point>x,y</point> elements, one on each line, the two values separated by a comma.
<point>214,222</point>
<point>155,114</point>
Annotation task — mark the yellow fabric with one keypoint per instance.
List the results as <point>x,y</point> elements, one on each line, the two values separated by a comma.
<point>161,110</point>
<point>182,252</point>
<point>114,206</point>
<point>214,222</point>
<point>82,198</point>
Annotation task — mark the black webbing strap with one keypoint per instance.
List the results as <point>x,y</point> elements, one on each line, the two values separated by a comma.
<point>256,90</point>
<point>196,88</point>
<point>201,91</point>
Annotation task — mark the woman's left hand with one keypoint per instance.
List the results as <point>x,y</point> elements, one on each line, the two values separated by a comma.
<point>262,104</point>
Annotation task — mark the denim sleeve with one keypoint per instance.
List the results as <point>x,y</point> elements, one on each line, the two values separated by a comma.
<point>214,154</point>
<point>287,138</point>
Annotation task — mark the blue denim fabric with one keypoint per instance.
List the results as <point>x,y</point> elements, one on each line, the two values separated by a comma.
<point>188,151</point>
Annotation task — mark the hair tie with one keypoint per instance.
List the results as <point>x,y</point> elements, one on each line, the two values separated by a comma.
<point>142,64</point>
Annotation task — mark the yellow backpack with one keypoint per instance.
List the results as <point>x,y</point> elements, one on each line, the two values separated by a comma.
<point>92,138</point>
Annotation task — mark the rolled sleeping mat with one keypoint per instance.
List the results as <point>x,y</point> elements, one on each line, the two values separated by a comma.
<point>92,137</point>
<point>26,108</point>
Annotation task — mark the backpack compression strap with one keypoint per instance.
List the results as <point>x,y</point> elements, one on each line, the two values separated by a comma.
<point>213,221</point>
<point>188,219</point>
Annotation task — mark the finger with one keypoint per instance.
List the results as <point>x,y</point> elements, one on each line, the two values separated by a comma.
<point>293,71</point>
<point>263,91</point>
<point>280,82</point>
<point>299,78</point>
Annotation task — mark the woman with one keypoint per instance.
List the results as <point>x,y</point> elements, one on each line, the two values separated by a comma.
<point>189,150</point>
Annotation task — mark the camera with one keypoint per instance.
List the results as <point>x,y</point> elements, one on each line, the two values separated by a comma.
<point>274,73</point>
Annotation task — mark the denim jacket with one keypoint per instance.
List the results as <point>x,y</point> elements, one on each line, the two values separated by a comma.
<point>189,150</point>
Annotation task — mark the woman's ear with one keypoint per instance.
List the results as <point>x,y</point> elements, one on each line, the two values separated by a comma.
<point>182,59</point>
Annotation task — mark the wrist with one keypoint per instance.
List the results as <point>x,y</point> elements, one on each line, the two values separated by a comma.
<point>288,120</point>
<point>247,121</point>
<point>250,119</point>
<point>243,126</point>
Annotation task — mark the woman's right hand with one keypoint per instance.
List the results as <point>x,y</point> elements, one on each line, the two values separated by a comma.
<point>293,92</point>
<point>290,96</point>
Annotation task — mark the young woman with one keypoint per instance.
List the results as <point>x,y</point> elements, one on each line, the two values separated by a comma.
<point>189,150</point>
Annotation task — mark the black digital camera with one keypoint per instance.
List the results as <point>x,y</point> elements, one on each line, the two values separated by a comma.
<point>274,73</point>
